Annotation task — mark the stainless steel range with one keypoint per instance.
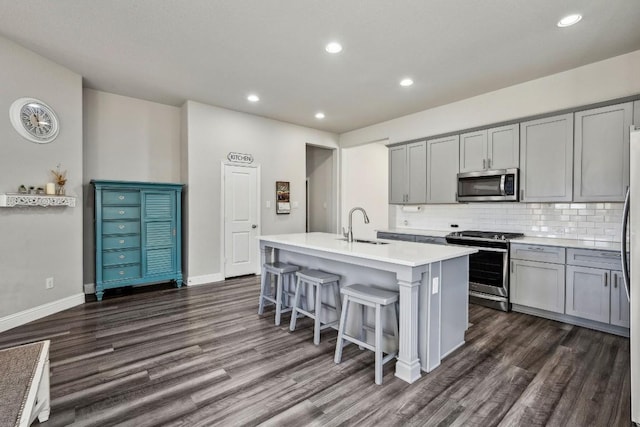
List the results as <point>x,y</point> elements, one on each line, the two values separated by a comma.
<point>488,268</point>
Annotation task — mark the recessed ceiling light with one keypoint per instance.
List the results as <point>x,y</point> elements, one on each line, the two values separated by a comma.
<point>333,47</point>
<point>320,115</point>
<point>569,20</point>
<point>406,82</point>
<point>253,98</point>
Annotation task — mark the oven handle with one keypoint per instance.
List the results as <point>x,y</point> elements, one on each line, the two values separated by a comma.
<point>480,248</point>
<point>502,179</point>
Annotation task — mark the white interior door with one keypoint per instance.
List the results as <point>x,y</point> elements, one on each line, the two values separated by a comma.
<point>240,220</point>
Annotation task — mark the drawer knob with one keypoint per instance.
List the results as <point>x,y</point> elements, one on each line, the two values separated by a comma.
<point>121,272</point>
<point>121,197</point>
<point>121,242</point>
<point>121,227</point>
<point>121,212</point>
<point>121,257</point>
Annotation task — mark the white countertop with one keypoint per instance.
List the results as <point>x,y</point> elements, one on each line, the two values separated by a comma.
<point>530,240</point>
<point>396,252</point>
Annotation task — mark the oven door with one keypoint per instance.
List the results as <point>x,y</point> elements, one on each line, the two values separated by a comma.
<point>488,272</point>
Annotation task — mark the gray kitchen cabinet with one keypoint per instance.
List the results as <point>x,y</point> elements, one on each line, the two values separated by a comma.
<point>546,159</point>
<point>442,182</point>
<point>495,148</point>
<point>538,276</point>
<point>601,153</point>
<point>408,173</point>
<point>595,289</point>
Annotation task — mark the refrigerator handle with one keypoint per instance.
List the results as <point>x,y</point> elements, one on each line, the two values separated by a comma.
<point>623,246</point>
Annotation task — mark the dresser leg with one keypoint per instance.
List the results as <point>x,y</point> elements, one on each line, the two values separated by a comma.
<point>99,295</point>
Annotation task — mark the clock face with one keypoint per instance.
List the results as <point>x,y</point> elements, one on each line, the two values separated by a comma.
<point>34,120</point>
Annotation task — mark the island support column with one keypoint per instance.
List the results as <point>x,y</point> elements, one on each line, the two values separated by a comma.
<point>408,363</point>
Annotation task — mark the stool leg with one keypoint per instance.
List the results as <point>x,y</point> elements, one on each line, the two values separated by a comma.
<point>318,314</point>
<point>378,344</point>
<point>263,290</point>
<point>343,319</point>
<point>396,332</point>
<point>278,299</point>
<point>363,331</point>
<point>337,300</point>
<point>294,311</point>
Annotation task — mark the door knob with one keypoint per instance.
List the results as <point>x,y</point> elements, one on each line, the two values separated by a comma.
<point>254,226</point>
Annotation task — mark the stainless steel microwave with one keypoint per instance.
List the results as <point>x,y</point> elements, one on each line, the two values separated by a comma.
<point>499,185</point>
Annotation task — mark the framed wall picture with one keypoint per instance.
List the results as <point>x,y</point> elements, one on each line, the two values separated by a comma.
<point>283,203</point>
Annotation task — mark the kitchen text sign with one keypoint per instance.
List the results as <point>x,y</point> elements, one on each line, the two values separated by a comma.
<point>240,158</point>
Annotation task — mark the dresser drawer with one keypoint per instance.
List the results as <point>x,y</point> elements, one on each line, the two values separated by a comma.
<point>121,227</point>
<point>593,258</point>
<point>110,274</point>
<point>121,257</point>
<point>115,197</point>
<point>121,242</point>
<point>540,253</point>
<point>120,212</point>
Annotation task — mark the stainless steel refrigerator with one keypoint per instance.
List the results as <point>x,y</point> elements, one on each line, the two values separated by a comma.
<point>631,219</point>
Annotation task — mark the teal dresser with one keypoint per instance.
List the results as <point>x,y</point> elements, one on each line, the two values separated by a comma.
<point>138,234</point>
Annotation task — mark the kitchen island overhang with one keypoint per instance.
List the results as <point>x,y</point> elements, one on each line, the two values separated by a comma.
<point>432,280</point>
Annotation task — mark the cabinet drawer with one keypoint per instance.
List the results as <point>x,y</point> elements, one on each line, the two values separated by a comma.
<point>538,253</point>
<point>121,227</point>
<point>396,236</point>
<point>432,240</point>
<point>121,257</point>
<point>121,273</point>
<point>593,258</point>
<point>121,242</point>
<point>120,212</point>
<point>111,197</point>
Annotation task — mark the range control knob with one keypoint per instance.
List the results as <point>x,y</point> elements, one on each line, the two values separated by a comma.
<point>496,237</point>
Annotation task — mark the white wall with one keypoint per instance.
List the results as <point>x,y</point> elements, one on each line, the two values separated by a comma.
<point>39,242</point>
<point>365,179</point>
<point>321,178</point>
<point>278,147</point>
<point>601,81</point>
<point>126,139</point>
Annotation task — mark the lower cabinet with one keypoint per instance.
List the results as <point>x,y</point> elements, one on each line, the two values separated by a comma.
<point>538,284</point>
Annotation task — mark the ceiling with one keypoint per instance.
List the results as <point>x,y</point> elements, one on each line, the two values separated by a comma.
<point>219,51</point>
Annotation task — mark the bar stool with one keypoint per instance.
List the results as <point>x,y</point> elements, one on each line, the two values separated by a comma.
<point>368,296</point>
<point>284,277</point>
<point>318,280</point>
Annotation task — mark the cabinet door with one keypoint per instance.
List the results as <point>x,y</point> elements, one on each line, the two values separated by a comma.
<point>588,293</point>
<point>546,159</point>
<point>442,181</point>
<point>473,151</point>
<point>397,174</point>
<point>538,285</point>
<point>619,301</point>
<point>601,158</point>
<point>159,232</point>
<point>503,147</point>
<point>417,172</point>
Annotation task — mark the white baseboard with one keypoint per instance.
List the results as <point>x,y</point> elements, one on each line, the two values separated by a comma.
<point>89,288</point>
<point>203,280</point>
<point>17,319</point>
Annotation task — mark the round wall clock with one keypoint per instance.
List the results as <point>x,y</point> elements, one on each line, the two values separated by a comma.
<point>34,120</point>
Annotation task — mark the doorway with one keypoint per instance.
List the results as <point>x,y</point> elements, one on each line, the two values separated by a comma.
<point>321,189</point>
<point>241,219</point>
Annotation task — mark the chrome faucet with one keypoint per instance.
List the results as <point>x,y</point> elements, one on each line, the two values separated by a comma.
<point>349,233</point>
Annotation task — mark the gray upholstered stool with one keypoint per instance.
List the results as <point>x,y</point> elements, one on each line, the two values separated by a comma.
<point>318,280</point>
<point>283,273</point>
<point>368,296</point>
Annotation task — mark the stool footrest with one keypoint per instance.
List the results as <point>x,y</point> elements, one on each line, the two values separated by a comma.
<point>384,331</point>
<point>357,341</point>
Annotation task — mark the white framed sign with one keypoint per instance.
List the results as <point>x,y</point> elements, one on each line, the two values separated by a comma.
<point>240,158</point>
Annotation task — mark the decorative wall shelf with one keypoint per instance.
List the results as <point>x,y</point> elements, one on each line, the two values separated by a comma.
<point>11,200</point>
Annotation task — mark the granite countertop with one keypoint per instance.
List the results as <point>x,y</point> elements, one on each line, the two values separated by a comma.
<point>532,240</point>
<point>395,252</point>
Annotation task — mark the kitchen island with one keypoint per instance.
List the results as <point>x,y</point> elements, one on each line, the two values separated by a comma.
<point>432,280</point>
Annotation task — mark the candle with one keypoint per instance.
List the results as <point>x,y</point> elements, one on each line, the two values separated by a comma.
<point>51,188</point>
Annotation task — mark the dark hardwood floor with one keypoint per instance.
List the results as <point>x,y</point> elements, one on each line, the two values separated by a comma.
<point>202,356</point>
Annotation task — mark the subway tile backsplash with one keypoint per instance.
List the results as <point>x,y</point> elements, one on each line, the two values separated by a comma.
<point>583,221</point>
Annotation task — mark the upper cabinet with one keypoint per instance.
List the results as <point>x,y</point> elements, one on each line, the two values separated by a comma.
<point>546,159</point>
<point>601,165</point>
<point>495,148</point>
<point>442,157</point>
<point>408,173</point>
